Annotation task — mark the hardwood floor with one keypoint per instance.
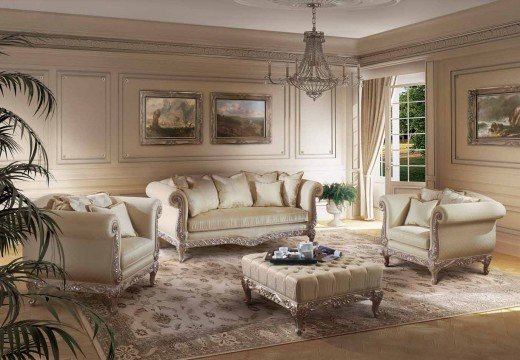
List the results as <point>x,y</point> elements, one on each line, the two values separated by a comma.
<point>490,335</point>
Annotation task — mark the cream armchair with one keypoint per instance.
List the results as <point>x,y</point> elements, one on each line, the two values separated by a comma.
<point>459,234</point>
<point>96,258</point>
<point>248,226</point>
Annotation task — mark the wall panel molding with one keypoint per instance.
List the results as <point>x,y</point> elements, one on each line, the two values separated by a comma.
<point>75,122</point>
<point>331,152</point>
<point>455,158</point>
<point>125,156</point>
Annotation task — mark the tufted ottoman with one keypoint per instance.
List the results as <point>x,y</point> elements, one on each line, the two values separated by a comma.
<point>301,289</point>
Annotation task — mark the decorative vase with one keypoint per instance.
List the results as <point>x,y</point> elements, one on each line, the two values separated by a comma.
<point>335,210</point>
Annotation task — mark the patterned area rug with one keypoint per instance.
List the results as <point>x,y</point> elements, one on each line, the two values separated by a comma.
<point>196,308</point>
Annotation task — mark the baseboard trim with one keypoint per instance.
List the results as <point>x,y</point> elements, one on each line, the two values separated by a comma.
<point>508,244</point>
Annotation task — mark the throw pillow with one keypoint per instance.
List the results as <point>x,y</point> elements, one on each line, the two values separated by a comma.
<point>69,203</point>
<point>268,194</point>
<point>420,212</point>
<point>180,182</point>
<point>266,178</point>
<point>101,199</point>
<point>202,195</point>
<point>291,186</point>
<point>453,197</point>
<point>233,191</point>
<point>121,213</point>
<point>429,195</point>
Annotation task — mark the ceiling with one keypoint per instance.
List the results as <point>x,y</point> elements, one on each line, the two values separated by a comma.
<point>349,18</point>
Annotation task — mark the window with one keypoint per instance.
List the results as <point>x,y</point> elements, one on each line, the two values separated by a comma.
<point>408,134</point>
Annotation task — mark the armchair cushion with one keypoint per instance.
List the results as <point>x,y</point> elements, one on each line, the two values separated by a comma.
<point>222,219</point>
<point>420,212</point>
<point>134,249</point>
<point>121,213</point>
<point>416,236</point>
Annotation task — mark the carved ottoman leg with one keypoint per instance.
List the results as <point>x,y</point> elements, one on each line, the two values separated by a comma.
<point>152,278</point>
<point>376,296</point>
<point>247,291</point>
<point>486,262</point>
<point>299,314</point>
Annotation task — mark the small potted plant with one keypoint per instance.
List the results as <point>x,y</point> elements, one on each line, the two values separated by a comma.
<point>337,194</point>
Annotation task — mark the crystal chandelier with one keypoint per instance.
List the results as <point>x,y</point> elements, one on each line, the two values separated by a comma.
<point>313,74</point>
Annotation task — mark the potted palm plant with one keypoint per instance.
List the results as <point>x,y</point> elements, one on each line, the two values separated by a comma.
<point>21,221</point>
<point>337,195</point>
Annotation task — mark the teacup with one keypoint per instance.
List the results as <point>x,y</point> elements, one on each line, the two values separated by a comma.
<point>305,246</point>
<point>278,254</point>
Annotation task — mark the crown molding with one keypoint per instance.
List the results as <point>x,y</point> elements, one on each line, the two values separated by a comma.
<point>53,41</point>
<point>499,32</point>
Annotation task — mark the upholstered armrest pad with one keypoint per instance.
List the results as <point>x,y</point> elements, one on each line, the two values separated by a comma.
<point>172,200</point>
<point>470,212</point>
<point>309,190</point>
<point>395,208</point>
<point>143,213</point>
<point>85,225</point>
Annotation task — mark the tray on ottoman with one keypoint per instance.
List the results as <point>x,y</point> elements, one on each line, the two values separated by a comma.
<point>289,260</point>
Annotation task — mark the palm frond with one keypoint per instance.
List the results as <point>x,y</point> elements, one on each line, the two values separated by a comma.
<point>20,271</point>
<point>36,146</point>
<point>31,87</point>
<point>27,338</point>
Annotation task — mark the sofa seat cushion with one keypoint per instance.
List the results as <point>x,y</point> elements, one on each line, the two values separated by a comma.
<point>411,235</point>
<point>134,249</point>
<point>234,218</point>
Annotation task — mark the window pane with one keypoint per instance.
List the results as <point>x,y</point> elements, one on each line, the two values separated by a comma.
<point>417,109</point>
<point>417,126</point>
<point>417,93</point>
<point>403,110</point>
<point>417,157</point>
<point>400,157</point>
<point>403,173</point>
<point>417,173</point>
<point>418,141</point>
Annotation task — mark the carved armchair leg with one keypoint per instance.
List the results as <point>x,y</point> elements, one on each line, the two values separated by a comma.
<point>376,296</point>
<point>32,289</point>
<point>299,314</point>
<point>181,249</point>
<point>434,270</point>
<point>112,303</point>
<point>311,234</point>
<point>386,256</point>
<point>486,262</point>
<point>152,278</point>
<point>247,292</point>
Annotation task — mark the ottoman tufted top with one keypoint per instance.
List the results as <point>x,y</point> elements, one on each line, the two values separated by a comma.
<point>311,282</point>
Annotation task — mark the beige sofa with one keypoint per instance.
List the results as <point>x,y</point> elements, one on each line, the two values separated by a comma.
<point>459,234</point>
<point>97,258</point>
<point>248,226</point>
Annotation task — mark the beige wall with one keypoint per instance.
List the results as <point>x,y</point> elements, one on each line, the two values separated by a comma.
<point>93,140</point>
<point>491,170</point>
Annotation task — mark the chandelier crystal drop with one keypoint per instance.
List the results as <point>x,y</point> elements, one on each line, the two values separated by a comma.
<point>313,74</point>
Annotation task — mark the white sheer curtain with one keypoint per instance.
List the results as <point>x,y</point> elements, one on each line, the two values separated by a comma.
<point>375,97</point>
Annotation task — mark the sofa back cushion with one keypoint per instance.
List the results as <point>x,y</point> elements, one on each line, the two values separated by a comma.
<point>453,197</point>
<point>233,191</point>
<point>291,187</point>
<point>420,212</point>
<point>268,194</point>
<point>202,195</point>
<point>266,178</point>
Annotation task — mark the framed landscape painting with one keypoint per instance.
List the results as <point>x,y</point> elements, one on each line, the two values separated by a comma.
<point>494,116</point>
<point>240,118</point>
<point>170,117</point>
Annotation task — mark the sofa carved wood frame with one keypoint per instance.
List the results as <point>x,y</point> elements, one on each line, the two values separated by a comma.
<point>432,263</point>
<point>112,291</point>
<point>178,200</point>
